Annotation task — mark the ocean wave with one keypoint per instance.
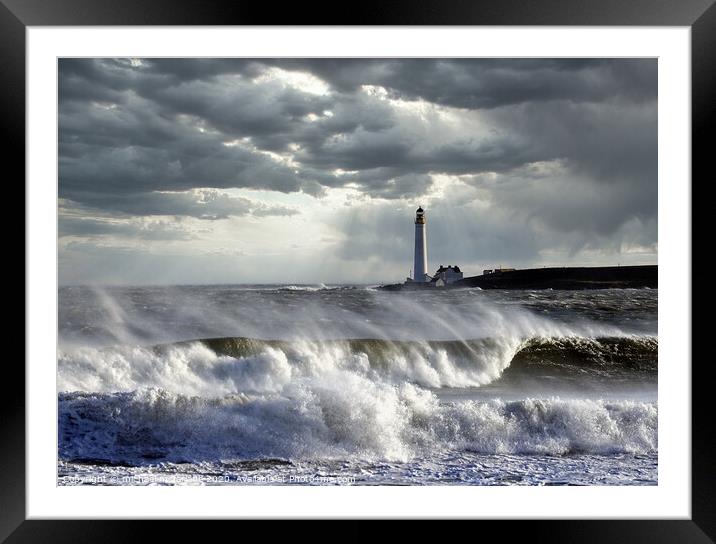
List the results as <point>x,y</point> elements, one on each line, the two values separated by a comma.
<point>319,287</point>
<point>604,356</point>
<point>222,366</point>
<point>358,419</point>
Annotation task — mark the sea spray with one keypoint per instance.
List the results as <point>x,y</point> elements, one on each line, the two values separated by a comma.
<point>110,316</point>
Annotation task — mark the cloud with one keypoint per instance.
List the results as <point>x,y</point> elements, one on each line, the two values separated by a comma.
<point>132,229</point>
<point>210,204</point>
<point>535,156</point>
<point>491,83</point>
<point>166,122</point>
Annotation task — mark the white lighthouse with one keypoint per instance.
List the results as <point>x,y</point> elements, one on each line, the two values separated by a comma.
<point>420,265</point>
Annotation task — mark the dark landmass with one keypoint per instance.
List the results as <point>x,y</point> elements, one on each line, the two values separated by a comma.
<point>599,277</point>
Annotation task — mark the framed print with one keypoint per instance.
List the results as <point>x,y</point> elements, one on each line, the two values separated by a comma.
<point>435,264</point>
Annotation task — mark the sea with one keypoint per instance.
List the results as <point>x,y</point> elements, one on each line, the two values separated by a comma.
<point>353,385</point>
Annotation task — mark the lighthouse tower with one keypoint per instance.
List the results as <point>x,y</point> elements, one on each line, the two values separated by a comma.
<point>420,267</point>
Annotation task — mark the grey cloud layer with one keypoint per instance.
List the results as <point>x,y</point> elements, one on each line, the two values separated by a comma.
<point>564,147</point>
<point>128,128</point>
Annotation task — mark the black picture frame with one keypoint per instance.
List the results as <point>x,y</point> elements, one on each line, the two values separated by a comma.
<point>699,15</point>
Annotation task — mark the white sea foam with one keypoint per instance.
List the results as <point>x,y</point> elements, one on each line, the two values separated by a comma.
<point>314,397</point>
<point>319,400</point>
<point>226,366</point>
<point>194,369</point>
<point>360,419</point>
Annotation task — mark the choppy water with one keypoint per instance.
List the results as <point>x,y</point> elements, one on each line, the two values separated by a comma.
<point>317,385</point>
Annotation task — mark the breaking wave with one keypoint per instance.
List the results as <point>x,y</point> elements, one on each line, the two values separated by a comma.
<point>265,374</point>
<point>361,419</point>
<point>222,366</point>
<point>244,398</point>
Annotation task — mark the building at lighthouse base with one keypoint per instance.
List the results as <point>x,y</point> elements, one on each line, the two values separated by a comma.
<point>445,275</point>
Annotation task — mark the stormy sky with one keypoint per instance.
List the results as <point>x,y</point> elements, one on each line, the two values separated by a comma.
<point>310,170</point>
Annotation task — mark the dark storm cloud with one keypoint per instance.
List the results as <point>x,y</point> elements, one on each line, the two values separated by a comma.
<point>139,137</point>
<point>490,83</point>
<point>465,83</point>
<point>375,156</point>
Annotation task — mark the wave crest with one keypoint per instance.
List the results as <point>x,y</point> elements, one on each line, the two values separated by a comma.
<point>221,366</point>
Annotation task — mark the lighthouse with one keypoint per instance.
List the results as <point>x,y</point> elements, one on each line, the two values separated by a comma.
<point>420,265</point>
